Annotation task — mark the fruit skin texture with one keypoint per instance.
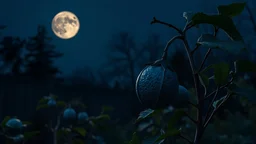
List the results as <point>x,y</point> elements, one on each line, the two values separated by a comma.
<point>14,127</point>
<point>69,114</point>
<point>82,116</point>
<point>51,103</point>
<point>157,86</point>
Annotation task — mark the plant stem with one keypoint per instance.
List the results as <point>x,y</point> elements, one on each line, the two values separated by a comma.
<point>215,110</point>
<point>195,75</point>
<point>224,86</point>
<point>167,24</point>
<point>194,50</point>
<point>54,137</point>
<point>204,60</point>
<point>199,126</point>
<point>210,105</point>
<point>165,53</point>
<point>190,118</point>
<point>186,139</point>
<point>200,98</point>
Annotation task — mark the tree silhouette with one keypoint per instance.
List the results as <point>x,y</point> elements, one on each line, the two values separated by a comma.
<point>151,49</point>
<point>41,54</point>
<point>83,75</point>
<point>126,57</point>
<point>2,27</point>
<point>11,54</point>
<point>122,57</point>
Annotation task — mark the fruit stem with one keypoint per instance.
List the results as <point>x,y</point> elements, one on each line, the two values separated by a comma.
<point>165,53</point>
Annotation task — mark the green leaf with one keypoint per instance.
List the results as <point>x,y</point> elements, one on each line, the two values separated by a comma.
<point>61,104</point>
<point>78,141</point>
<point>53,96</point>
<point>145,114</point>
<point>103,117</point>
<point>106,109</point>
<point>221,73</point>
<point>43,101</point>
<point>245,66</point>
<point>207,68</point>
<point>99,118</point>
<point>80,131</point>
<point>41,106</point>
<point>177,115</point>
<point>232,47</point>
<point>135,139</point>
<point>63,132</point>
<point>5,121</point>
<point>217,102</point>
<point>169,133</point>
<point>29,135</point>
<point>233,9</point>
<point>221,21</point>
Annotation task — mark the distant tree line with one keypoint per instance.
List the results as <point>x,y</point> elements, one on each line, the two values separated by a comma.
<point>33,56</point>
<point>126,58</point>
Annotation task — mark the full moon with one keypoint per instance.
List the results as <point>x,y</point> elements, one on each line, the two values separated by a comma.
<point>65,25</point>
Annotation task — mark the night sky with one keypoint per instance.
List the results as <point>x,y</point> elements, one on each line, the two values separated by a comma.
<point>99,19</point>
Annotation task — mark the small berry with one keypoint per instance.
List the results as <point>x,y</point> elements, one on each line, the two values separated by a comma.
<point>51,103</point>
<point>69,114</point>
<point>82,116</point>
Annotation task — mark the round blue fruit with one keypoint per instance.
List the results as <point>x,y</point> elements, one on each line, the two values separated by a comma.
<point>83,116</point>
<point>13,127</point>
<point>14,123</point>
<point>157,86</point>
<point>51,103</point>
<point>69,114</point>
